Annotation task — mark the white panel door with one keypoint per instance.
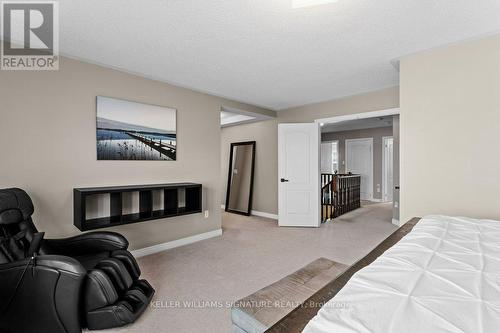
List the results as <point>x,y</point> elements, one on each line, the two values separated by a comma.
<point>359,160</point>
<point>299,178</point>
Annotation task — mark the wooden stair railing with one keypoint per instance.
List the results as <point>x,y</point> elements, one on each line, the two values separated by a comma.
<point>340,193</point>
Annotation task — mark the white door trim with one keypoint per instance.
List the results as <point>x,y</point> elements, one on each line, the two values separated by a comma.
<point>385,191</point>
<point>347,141</point>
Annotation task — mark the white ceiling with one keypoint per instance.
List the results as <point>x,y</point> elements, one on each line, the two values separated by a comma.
<point>357,124</point>
<point>262,51</point>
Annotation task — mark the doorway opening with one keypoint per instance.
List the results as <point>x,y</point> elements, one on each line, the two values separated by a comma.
<point>366,168</point>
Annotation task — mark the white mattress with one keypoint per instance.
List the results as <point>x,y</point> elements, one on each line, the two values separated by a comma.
<point>444,276</point>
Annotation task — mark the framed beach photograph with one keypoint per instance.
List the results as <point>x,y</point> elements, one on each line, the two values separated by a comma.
<point>135,131</point>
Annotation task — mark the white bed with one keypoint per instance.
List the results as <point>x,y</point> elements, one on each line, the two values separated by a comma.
<point>444,276</point>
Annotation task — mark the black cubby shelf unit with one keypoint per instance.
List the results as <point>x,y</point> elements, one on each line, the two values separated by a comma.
<point>171,200</point>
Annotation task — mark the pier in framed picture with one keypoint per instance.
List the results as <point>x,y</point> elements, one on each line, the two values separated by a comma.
<point>135,131</point>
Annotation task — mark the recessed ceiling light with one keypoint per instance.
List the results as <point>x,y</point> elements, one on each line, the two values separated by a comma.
<point>308,3</point>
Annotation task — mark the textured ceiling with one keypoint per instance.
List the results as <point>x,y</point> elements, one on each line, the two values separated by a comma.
<point>262,51</point>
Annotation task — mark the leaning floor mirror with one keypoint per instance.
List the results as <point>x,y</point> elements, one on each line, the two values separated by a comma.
<point>240,178</point>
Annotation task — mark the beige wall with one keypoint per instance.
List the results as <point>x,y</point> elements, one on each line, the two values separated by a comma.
<point>372,101</point>
<point>265,133</point>
<point>377,134</point>
<point>450,131</point>
<point>48,135</point>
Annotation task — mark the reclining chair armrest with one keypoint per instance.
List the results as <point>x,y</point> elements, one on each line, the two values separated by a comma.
<point>92,242</point>
<point>41,295</point>
<point>60,263</point>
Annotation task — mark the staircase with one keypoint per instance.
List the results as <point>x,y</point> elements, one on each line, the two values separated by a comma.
<point>340,193</point>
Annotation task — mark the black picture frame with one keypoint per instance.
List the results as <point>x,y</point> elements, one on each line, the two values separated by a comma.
<point>228,192</point>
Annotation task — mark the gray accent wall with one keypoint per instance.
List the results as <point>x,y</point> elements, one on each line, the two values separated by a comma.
<point>377,134</point>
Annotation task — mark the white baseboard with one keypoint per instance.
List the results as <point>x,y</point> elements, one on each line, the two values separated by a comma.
<point>395,222</point>
<point>176,243</point>
<point>263,214</point>
<point>375,200</point>
<point>257,213</point>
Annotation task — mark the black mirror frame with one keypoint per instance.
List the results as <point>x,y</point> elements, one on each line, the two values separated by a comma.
<point>228,192</point>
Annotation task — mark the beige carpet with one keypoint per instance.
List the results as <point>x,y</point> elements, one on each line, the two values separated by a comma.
<point>251,254</point>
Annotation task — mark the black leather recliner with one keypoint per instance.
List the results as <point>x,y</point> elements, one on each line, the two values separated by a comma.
<point>63,285</point>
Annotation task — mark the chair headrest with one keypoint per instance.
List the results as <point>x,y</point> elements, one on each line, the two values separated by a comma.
<point>15,206</point>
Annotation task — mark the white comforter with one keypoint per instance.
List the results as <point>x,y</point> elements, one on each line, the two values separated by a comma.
<point>444,276</point>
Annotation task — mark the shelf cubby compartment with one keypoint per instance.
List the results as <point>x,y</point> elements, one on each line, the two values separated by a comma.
<point>193,199</point>
<point>170,201</point>
<point>145,204</point>
<point>178,199</point>
<point>115,207</point>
